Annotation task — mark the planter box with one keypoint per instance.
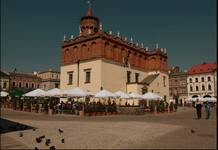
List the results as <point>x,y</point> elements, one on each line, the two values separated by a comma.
<point>50,111</point>
<point>81,113</point>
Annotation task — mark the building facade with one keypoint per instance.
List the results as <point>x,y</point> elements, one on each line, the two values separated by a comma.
<point>97,59</point>
<point>4,81</point>
<point>24,81</point>
<point>50,79</point>
<point>178,85</point>
<point>202,80</point>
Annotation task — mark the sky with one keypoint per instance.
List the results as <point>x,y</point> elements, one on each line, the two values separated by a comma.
<point>32,30</point>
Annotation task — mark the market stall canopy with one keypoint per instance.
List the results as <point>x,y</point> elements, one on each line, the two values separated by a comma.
<point>4,94</point>
<point>54,92</point>
<point>121,94</point>
<point>194,99</point>
<point>75,92</point>
<point>90,93</point>
<point>152,96</point>
<point>35,93</point>
<point>104,94</point>
<point>135,95</point>
<point>18,92</point>
<point>209,99</point>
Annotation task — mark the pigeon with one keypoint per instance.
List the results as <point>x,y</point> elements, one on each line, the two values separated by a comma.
<point>62,140</point>
<point>21,134</point>
<point>60,131</point>
<point>36,148</point>
<point>42,137</point>
<point>52,148</point>
<point>47,142</point>
<point>38,140</point>
<point>192,131</point>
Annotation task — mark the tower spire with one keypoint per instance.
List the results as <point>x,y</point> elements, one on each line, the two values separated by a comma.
<point>89,11</point>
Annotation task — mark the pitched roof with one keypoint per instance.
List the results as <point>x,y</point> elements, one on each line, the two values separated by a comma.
<point>202,68</point>
<point>4,74</point>
<point>149,79</point>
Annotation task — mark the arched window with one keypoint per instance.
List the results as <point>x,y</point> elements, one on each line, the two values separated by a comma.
<point>191,89</point>
<point>190,80</point>
<point>203,88</point>
<point>202,79</point>
<point>209,87</point>
<point>208,78</point>
<point>196,79</point>
<point>197,88</point>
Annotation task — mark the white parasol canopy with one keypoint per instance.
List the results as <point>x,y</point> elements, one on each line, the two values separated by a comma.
<point>54,92</point>
<point>152,96</point>
<point>35,93</point>
<point>104,94</point>
<point>4,94</point>
<point>135,95</point>
<point>209,99</point>
<point>75,92</point>
<point>121,94</point>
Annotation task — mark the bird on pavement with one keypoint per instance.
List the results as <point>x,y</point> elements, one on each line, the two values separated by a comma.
<point>36,148</point>
<point>47,142</point>
<point>38,140</point>
<point>52,148</point>
<point>192,131</point>
<point>60,131</point>
<point>21,134</point>
<point>62,140</point>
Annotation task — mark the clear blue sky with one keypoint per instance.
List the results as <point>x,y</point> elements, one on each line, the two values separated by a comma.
<point>32,30</point>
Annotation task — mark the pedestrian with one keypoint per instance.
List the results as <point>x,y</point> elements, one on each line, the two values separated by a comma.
<point>207,109</point>
<point>198,107</point>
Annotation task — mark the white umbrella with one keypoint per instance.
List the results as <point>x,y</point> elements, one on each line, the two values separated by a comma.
<point>36,93</point>
<point>104,94</point>
<point>75,92</point>
<point>210,99</point>
<point>54,92</point>
<point>90,93</point>
<point>152,96</point>
<point>135,95</point>
<point>121,94</point>
<point>4,94</point>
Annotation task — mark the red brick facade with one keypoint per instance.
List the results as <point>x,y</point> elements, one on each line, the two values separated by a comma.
<point>94,43</point>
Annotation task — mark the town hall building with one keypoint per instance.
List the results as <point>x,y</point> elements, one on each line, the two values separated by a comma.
<point>98,60</point>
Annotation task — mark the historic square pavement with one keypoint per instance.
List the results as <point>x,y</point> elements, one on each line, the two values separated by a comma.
<point>164,131</point>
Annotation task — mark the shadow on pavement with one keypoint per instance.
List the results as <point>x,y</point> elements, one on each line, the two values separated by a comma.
<point>10,126</point>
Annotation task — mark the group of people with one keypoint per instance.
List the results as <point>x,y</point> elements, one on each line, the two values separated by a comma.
<point>199,106</point>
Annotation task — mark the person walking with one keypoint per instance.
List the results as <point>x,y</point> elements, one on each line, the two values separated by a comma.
<point>198,107</point>
<point>207,109</point>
